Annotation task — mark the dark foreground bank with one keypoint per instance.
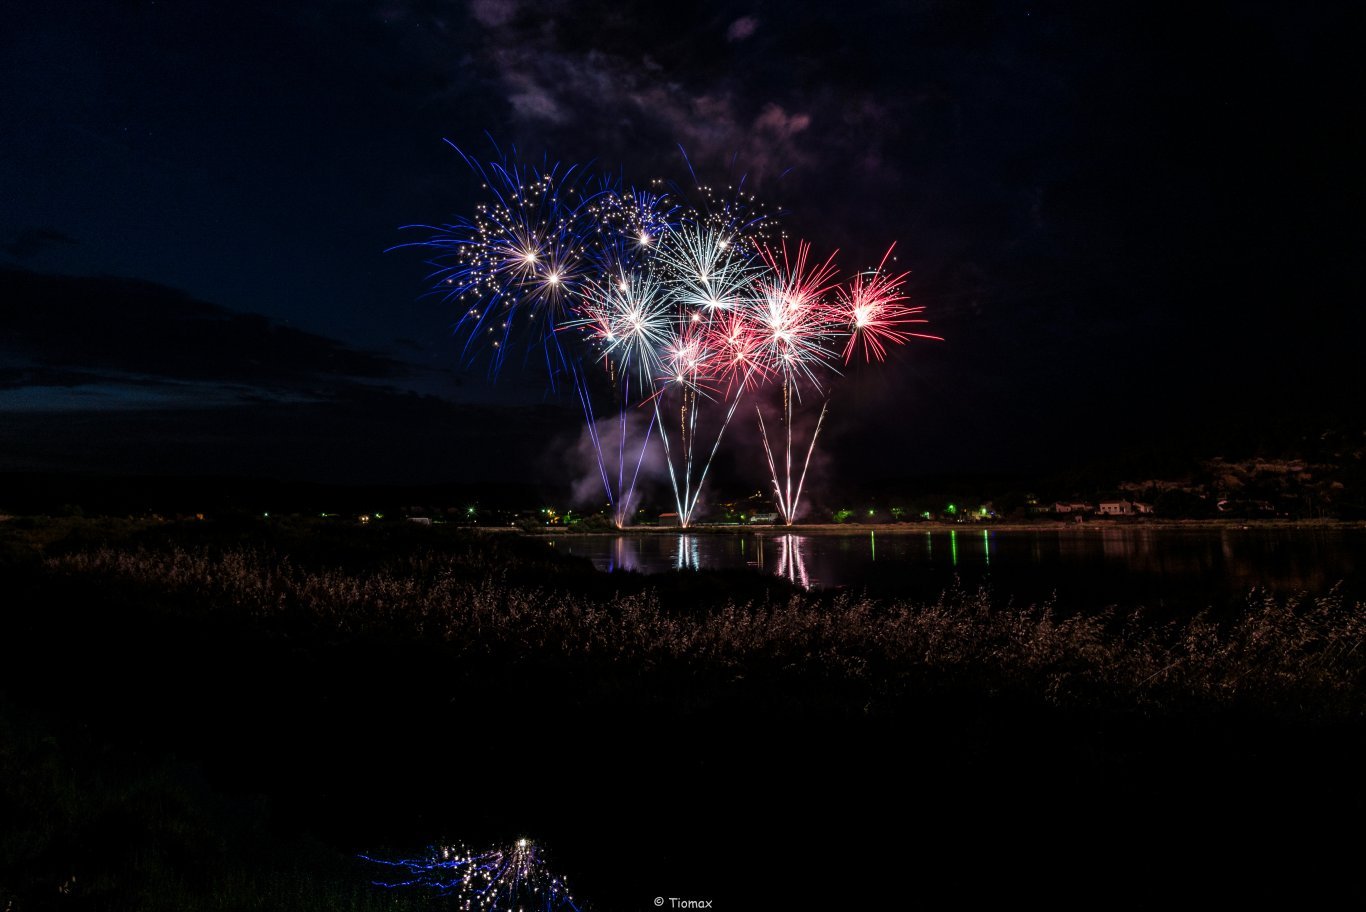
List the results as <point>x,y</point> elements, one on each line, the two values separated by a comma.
<point>224,716</point>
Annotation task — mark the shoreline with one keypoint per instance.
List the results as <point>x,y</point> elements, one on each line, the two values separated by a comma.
<point>912,528</point>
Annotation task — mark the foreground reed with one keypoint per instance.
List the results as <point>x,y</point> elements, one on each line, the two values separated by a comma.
<point>1298,656</point>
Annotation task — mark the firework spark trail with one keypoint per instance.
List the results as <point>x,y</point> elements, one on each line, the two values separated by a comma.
<point>629,321</point>
<point>802,313</point>
<point>799,323</point>
<point>621,490</point>
<point>508,879</point>
<point>785,499</point>
<point>625,314</point>
<point>709,261</point>
<point>687,500</point>
<point>710,269</point>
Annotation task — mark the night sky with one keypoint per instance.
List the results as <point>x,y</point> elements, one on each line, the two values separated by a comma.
<point>1137,226</point>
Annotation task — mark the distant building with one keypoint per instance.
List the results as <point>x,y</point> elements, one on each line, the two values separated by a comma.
<point>1246,507</point>
<point>769,518</point>
<point>1071,506</point>
<point>1115,508</point>
<point>1143,509</point>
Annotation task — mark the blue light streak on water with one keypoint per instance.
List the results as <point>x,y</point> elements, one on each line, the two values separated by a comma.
<point>512,879</point>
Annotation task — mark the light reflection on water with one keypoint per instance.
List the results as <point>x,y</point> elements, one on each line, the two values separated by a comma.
<point>791,562</point>
<point>689,553</point>
<point>1121,564</point>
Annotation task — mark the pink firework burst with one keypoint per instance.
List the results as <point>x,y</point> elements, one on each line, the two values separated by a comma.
<point>794,314</point>
<point>873,306</point>
<point>737,343</point>
<point>689,361</point>
<point>687,354</point>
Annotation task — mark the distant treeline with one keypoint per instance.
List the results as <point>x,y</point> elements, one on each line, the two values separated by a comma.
<point>1322,476</point>
<point>58,494</point>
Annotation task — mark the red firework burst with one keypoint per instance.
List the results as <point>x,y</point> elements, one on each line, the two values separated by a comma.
<point>874,309</point>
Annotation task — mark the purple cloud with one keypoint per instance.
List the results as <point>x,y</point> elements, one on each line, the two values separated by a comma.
<point>742,28</point>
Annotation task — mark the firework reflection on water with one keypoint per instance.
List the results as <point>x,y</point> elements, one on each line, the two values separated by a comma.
<point>500,879</point>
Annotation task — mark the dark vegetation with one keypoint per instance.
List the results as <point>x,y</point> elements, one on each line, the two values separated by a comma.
<point>221,715</point>
<point>1311,474</point>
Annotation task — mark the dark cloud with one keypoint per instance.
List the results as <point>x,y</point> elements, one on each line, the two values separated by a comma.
<point>116,375</point>
<point>12,378</point>
<point>68,331</point>
<point>33,241</point>
<point>642,84</point>
<point>355,438</point>
<point>494,13</point>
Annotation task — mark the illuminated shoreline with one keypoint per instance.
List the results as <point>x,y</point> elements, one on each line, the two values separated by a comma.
<point>1093,525</point>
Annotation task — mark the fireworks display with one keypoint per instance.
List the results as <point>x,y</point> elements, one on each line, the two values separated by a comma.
<point>681,303</point>
<point>511,879</point>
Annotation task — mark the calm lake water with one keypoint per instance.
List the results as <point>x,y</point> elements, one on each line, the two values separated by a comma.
<point>1088,565</point>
